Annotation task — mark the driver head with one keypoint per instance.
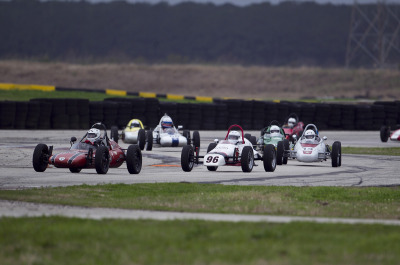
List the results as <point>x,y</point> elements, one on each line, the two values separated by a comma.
<point>166,122</point>
<point>274,130</point>
<point>93,135</point>
<point>135,124</point>
<point>233,137</point>
<point>310,134</point>
<point>291,122</point>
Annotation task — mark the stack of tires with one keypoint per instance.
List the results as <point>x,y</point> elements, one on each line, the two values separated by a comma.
<point>234,111</point>
<point>258,115</point>
<point>208,113</point>
<point>221,116</point>
<point>321,117</point>
<point>270,112</point>
<point>335,117</point>
<point>95,112</point>
<point>83,112</point>
<point>110,113</point>
<point>138,109</point>
<point>391,113</point>
<point>124,111</point>
<point>169,108</point>
<point>152,116</point>
<point>348,117</point>
<point>307,113</point>
<point>363,119</point>
<point>7,117</point>
<point>195,117</point>
<point>246,115</point>
<point>183,115</point>
<point>378,116</point>
<point>283,112</point>
<point>21,112</point>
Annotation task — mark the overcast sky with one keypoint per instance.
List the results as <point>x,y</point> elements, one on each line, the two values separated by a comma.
<point>247,2</point>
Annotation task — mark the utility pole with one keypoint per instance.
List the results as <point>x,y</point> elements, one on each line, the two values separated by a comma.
<point>374,35</point>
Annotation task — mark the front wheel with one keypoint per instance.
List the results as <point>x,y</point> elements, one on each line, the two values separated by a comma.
<point>134,159</point>
<point>186,134</point>
<point>269,158</point>
<point>114,133</point>
<point>187,158</point>
<point>40,158</point>
<point>141,138</point>
<point>280,149</point>
<point>75,170</point>
<point>247,159</point>
<point>149,139</point>
<point>102,160</point>
<point>385,133</point>
<point>336,154</point>
<point>286,146</point>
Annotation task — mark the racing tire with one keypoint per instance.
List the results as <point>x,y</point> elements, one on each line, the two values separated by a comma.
<point>187,158</point>
<point>134,159</point>
<point>196,139</point>
<point>149,141</point>
<point>280,150</point>
<point>286,146</point>
<point>247,136</point>
<point>75,169</point>
<point>253,140</point>
<point>269,158</point>
<point>247,159</point>
<point>141,139</point>
<point>336,154</point>
<point>186,134</point>
<point>210,147</point>
<point>102,160</point>
<point>385,133</point>
<point>114,133</point>
<point>40,158</point>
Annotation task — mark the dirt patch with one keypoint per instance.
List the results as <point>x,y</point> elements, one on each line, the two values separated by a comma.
<point>207,80</point>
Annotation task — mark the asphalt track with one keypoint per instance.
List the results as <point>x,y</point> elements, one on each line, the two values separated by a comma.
<point>163,164</point>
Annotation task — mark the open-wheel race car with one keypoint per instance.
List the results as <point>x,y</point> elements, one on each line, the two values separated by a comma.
<point>234,150</point>
<point>275,135</point>
<point>133,133</point>
<point>293,126</point>
<point>166,135</point>
<point>310,147</point>
<point>94,150</point>
<point>386,134</point>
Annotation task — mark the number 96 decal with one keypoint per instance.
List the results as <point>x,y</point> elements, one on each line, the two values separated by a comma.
<point>212,159</point>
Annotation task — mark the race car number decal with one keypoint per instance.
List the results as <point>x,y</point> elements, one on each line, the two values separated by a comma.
<point>212,159</point>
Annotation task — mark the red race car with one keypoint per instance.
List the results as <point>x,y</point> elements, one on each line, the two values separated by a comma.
<point>293,126</point>
<point>94,150</point>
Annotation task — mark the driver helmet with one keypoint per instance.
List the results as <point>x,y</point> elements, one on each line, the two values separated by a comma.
<point>233,136</point>
<point>166,122</point>
<point>310,134</point>
<point>135,124</point>
<point>93,135</point>
<point>291,122</point>
<point>275,131</point>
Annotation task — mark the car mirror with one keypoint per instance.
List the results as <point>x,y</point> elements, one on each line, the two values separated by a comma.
<point>216,141</point>
<point>73,140</point>
<point>325,138</point>
<point>180,127</point>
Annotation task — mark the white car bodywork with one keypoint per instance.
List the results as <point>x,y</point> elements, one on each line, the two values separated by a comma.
<point>310,150</point>
<point>395,136</point>
<point>169,137</point>
<point>226,153</point>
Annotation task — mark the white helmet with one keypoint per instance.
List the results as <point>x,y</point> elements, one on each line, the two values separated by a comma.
<point>274,130</point>
<point>310,134</point>
<point>166,122</point>
<point>233,136</point>
<point>93,135</point>
<point>291,122</point>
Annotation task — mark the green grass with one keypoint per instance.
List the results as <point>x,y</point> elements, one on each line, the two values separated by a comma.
<point>26,95</point>
<point>389,151</point>
<point>368,202</point>
<point>57,240</point>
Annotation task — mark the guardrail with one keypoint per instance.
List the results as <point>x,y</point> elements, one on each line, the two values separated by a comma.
<point>43,113</point>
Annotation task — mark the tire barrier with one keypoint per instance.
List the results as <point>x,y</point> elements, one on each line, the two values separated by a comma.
<point>45,113</point>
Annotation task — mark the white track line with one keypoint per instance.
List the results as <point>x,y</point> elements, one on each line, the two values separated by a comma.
<point>25,209</point>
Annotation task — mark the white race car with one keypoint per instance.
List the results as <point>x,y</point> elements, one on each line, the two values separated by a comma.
<point>166,135</point>
<point>133,133</point>
<point>234,150</point>
<point>386,134</point>
<point>311,148</point>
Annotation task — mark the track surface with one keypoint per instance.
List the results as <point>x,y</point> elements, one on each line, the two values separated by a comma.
<point>163,165</point>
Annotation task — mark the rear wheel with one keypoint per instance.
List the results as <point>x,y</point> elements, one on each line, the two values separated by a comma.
<point>186,134</point>
<point>149,138</point>
<point>247,136</point>
<point>247,159</point>
<point>187,158</point>
<point>40,158</point>
<point>102,160</point>
<point>286,146</point>
<point>75,170</point>
<point>253,140</point>
<point>141,140</point>
<point>336,154</point>
<point>196,139</point>
<point>269,158</point>
<point>279,153</point>
<point>134,159</point>
<point>114,133</point>
<point>210,147</point>
<point>385,133</point>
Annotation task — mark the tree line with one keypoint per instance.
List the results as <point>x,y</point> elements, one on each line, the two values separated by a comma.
<point>260,34</point>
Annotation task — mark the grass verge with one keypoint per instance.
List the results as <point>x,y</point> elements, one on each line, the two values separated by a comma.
<point>389,151</point>
<point>355,202</point>
<point>57,240</point>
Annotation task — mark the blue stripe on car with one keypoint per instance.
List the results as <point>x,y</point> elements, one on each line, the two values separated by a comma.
<point>175,142</point>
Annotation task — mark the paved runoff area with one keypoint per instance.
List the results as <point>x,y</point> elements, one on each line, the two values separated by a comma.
<point>163,165</point>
